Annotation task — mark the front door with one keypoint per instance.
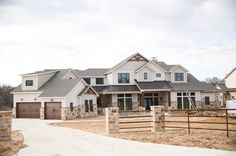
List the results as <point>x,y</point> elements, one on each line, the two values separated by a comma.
<point>148,102</point>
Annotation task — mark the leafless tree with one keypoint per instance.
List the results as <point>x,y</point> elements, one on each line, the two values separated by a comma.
<point>6,99</point>
<point>213,80</point>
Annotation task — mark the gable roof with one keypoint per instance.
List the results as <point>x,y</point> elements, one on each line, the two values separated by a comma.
<point>173,68</point>
<point>86,88</point>
<point>55,86</point>
<point>124,61</point>
<point>93,72</point>
<point>145,65</point>
<point>230,73</point>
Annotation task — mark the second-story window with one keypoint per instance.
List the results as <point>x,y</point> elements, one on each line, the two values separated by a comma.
<point>99,80</point>
<point>123,78</point>
<point>29,83</point>
<point>145,76</point>
<point>179,76</point>
<point>158,74</point>
<point>87,80</point>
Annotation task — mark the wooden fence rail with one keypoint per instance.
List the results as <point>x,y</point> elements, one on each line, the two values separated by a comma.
<point>189,115</point>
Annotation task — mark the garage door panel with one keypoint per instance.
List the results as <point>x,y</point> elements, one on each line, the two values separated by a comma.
<point>53,110</point>
<point>28,110</point>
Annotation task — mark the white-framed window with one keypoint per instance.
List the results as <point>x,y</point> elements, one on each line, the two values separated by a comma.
<point>88,105</point>
<point>158,74</point>
<point>145,75</point>
<point>179,76</point>
<point>99,80</point>
<point>29,83</point>
<point>183,99</point>
<point>123,78</point>
<point>87,80</point>
<point>124,101</point>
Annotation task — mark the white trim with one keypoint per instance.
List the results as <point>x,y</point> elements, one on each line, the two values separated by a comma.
<point>145,65</point>
<point>93,76</point>
<point>71,70</point>
<point>123,62</point>
<point>25,92</point>
<point>154,90</point>
<point>92,89</point>
<point>180,67</point>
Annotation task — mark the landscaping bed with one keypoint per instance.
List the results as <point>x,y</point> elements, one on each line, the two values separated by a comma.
<point>9,148</point>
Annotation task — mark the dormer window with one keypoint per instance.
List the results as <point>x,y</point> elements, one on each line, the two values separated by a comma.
<point>29,83</point>
<point>99,80</point>
<point>123,78</point>
<point>145,76</point>
<point>179,76</point>
<point>158,74</point>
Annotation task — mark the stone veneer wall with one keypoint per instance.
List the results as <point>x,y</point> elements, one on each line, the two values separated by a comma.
<point>66,113</point>
<point>5,125</point>
<point>83,114</point>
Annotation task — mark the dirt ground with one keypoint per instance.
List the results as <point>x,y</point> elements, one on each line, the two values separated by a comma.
<point>9,148</point>
<point>180,137</point>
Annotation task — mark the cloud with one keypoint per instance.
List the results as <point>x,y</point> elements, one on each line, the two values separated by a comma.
<point>200,34</point>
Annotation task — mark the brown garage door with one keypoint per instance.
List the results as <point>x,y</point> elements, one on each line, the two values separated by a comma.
<point>28,110</point>
<point>53,110</point>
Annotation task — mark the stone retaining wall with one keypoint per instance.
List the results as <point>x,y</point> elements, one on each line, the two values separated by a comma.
<point>5,125</point>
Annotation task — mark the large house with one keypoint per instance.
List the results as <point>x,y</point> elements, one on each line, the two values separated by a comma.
<point>135,83</point>
<point>227,88</point>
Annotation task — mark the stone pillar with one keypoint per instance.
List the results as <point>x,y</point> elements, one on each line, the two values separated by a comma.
<point>157,118</point>
<point>63,113</point>
<point>14,112</point>
<point>42,113</point>
<point>5,125</point>
<point>112,120</point>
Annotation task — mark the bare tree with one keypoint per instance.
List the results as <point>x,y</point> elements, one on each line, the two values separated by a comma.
<point>214,80</point>
<point>6,99</point>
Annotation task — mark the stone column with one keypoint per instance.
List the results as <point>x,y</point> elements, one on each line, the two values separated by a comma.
<point>5,125</point>
<point>42,113</point>
<point>157,118</point>
<point>14,112</point>
<point>112,120</point>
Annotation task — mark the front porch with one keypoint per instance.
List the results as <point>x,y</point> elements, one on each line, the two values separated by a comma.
<point>134,101</point>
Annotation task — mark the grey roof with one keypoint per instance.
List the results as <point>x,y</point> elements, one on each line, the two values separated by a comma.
<point>154,85</point>
<point>82,92</point>
<point>116,88</point>
<point>93,72</point>
<point>55,86</point>
<point>207,87</point>
<point>164,65</point>
<point>41,72</point>
<point>224,88</point>
<point>99,89</point>
<point>192,84</point>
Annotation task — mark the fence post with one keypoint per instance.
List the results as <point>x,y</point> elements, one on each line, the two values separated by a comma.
<point>112,120</point>
<point>158,118</point>
<point>227,125</point>
<point>188,123</point>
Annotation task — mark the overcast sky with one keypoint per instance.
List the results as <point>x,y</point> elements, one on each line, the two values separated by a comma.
<point>80,34</point>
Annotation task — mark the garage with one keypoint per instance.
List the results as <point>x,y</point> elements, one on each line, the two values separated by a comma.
<point>28,110</point>
<point>52,110</point>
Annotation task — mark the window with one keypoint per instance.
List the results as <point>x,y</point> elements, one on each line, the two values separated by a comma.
<point>91,105</point>
<point>123,78</point>
<point>71,106</point>
<point>184,99</point>
<point>86,106</point>
<point>87,80</point>
<point>99,81</point>
<point>179,76</point>
<point>124,101</point>
<point>29,83</point>
<point>145,76</point>
<point>158,74</point>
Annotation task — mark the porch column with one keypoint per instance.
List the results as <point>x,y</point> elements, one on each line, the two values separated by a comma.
<point>169,99</point>
<point>142,100</point>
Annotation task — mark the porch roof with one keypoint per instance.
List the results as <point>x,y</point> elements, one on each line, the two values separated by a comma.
<point>116,88</point>
<point>161,85</point>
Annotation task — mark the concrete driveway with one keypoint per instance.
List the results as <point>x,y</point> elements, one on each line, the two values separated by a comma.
<point>45,140</point>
